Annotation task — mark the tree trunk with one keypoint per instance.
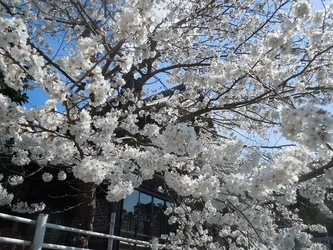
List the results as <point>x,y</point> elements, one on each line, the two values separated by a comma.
<point>84,214</point>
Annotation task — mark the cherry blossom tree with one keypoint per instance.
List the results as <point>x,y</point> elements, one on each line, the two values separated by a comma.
<point>253,67</point>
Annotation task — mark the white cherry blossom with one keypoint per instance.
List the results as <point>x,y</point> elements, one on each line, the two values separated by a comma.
<point>195,92</point>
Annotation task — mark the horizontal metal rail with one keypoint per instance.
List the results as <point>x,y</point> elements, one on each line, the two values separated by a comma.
<point>17,219</point>
<point>55,246</point>
<point>15,241</point>
<point>43,219</point>
<point>75,230</point>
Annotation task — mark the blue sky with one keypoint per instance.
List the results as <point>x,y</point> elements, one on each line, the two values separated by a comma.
<point>37,97</point>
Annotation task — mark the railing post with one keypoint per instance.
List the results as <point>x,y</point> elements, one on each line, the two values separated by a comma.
<point>39,232</point>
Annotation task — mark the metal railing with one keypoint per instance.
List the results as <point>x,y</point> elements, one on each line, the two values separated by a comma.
<point>40,227</point>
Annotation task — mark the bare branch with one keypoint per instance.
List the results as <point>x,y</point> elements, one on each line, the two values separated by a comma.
<point>315,173</point>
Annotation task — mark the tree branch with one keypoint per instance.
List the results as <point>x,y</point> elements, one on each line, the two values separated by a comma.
<point>54,64</point>
<point>316,172</point>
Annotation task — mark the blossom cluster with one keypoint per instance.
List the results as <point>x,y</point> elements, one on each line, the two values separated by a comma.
<point>245,73</point>
<point>23,207</point>
<point>5,197</point>
<point>309,125</point>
